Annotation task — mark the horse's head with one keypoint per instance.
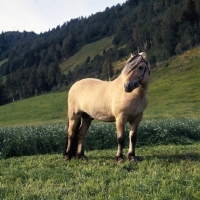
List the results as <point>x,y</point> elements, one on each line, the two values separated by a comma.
<point>136,72</point>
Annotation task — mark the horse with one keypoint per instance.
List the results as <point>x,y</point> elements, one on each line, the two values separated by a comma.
<point>122,100</point>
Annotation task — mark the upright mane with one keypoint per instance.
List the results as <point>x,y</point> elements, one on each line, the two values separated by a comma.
<point>133,61</point>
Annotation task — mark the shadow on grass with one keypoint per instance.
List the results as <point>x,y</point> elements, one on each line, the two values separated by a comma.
<point>172,158</point>
<point>93,155</point>
<point>175,158</point>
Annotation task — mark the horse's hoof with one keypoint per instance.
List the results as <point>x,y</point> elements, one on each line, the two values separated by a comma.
<point>84,158</point>
<point>81,156</point>
<point>67,158</point>
<point>131,157</point>
<point>119,159</point>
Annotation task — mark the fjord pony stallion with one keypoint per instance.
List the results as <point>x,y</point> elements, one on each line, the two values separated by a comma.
<point>122,100</point>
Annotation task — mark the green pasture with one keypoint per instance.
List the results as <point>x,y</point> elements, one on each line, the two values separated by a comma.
<point>162,172</point>
<point>174,88</point>
<point>45,108</point>
<point>168,153</point>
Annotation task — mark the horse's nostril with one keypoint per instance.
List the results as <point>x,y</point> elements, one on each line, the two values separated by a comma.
<point>128,85</point>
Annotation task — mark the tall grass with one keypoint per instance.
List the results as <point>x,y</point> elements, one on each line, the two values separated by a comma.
<point>31,140</point>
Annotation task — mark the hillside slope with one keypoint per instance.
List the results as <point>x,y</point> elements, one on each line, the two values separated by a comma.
<point>174,87</point>
<point>89,50</point>
<point>173,93</point>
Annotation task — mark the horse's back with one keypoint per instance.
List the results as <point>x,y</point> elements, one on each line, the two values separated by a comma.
<point>88,85</point>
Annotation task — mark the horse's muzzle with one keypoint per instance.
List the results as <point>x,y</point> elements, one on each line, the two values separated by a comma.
<point>130,86</point>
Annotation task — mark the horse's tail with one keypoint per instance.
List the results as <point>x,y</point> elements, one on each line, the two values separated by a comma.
<point>74,145</point>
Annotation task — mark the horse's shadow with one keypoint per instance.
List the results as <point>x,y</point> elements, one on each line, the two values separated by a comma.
<point>175,158</point>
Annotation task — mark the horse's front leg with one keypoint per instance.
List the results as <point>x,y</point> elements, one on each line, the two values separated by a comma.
<point>120,139</point>
<point>132,143</point>
<point>133,138</point>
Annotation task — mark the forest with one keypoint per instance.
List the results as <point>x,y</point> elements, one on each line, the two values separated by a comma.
<point>29,62</point>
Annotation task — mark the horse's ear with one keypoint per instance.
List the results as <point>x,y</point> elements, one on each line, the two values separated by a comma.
<point>143,54</point>
<point>130,58</point>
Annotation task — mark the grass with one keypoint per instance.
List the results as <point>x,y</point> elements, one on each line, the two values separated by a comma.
<point>169,171</point>
<point>173,91</point>
<point>163,172</point>
<point>42,139</point>
<point>45,108</point>
<point>88,50</point>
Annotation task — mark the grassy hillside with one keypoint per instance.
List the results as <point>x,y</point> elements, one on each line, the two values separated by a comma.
<point>36,110</point>
<point>173,93</point>
<point>174,87</point>
<point>88,50</point>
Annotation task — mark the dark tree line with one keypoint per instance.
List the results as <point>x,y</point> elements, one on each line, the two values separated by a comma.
<point>162,28</point>
<point>30,82</point>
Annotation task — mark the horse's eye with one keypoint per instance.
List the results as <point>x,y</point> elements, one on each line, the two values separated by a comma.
<point>141,68</point>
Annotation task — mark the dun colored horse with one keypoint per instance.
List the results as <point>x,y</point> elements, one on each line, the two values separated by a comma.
<point>122,100</point>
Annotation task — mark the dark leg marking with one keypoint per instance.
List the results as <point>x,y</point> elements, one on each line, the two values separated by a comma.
<point>72,151</point>
<point>121,141</point>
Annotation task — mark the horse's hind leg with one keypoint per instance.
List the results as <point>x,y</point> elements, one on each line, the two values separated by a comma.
<point>81,135</point>
<point>72,137</point>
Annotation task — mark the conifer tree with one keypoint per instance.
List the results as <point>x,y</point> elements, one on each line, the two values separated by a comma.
<point>107,70</point>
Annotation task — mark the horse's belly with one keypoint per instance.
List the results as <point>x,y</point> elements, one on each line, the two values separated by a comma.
<point>105,118</point>
<point>102,115</point>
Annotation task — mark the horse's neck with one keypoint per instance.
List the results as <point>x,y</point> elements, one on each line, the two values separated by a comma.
<point>118,81</point>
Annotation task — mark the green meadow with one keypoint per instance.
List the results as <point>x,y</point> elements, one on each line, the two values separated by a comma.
<point>174,88</point>
<point>33,131</point>
<point>162,172</point>
<point>168,154</point>
<point>42,109</point>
